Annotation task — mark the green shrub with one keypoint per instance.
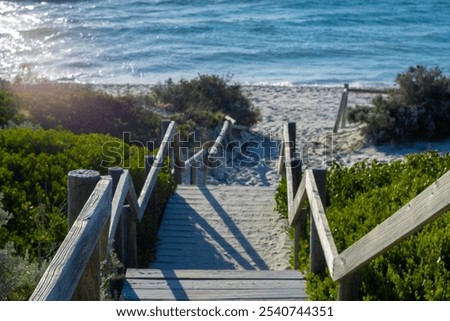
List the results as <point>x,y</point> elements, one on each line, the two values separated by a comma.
<point>362,196</point>
<point>419,109</point>
<point>203,101</point>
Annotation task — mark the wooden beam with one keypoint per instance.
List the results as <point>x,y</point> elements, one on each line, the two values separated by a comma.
<point>321,222</point>
<point>66,268</point>
<point>130,237</point>
<point>369,90</point>
<point>428,205</point>
<point>297,203</point>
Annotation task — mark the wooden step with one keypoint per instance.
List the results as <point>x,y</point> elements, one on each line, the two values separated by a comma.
<point>207,285</point>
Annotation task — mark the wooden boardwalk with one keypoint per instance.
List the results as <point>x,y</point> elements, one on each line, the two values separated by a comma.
<point>219,243</point>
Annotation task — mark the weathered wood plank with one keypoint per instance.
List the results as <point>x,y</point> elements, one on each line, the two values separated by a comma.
<point>213,274</point>
<point>64,271</point>
<point>428,205</point>
<point>216,295</point>
<point>155,284</point>
<point>320,219</point>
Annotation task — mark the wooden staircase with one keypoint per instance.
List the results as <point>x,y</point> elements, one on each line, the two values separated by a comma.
<point>219,243</point>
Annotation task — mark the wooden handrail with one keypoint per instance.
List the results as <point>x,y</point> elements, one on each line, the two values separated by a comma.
<point>65,270</point>
<point>344,267</point>
<point>425,207</point>
<point>205,154</point>
<point>150,182</point>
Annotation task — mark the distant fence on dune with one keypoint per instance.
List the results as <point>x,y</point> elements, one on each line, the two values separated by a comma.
<point>342,112</point>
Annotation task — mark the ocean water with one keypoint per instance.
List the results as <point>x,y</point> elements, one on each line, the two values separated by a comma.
<point>248,41</point>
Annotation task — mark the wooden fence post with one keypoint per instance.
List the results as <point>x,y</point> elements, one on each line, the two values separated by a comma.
<point>177,159</point>
<point>342,112</point>
<point>349,287</point>
<point>317,258</point>
<point>149,160</point>
<point>195,164</point>
<point>296,168</point>
<point>81,183</point>
<point>130,237</point>
<point>206,164</point>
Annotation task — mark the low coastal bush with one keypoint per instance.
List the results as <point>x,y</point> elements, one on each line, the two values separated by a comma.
<point>7,104</point>
<point>203,102</point>
<point>76,108</point>
<point>18,276</point>
<point>419,109</point>
<point>362,196</point>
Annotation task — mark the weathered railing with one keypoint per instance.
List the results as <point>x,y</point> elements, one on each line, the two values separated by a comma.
<point>74,272</point>
<point>344,267</point>
<point>342,111</point>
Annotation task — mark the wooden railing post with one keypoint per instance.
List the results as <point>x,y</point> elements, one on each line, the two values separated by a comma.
<point>317,258</point>
<point>81,183</point>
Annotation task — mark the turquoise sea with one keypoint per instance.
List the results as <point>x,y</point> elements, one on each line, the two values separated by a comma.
<point>249,41</point>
